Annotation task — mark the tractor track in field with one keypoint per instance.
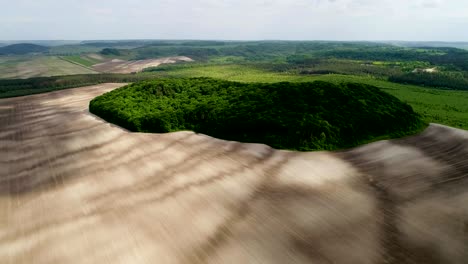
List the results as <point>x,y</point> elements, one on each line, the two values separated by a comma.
<point>75,189</point>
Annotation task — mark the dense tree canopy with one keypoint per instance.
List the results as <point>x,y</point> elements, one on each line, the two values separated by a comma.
<point>451,80</point>
<point>301,116</point>
<point>19,87</point>
<point>110,51</point>
<point>22,48</point>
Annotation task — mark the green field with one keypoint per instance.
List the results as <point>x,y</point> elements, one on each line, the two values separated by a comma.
<point>436,106</point>
<point>446,107</point>
<point>16,67</point>
<point>64,50</point>
<point>401,69</point>
<point>82,60</point>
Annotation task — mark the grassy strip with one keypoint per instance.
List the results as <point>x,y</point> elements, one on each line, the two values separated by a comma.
<point>20,87</point>
<point>77,60</point>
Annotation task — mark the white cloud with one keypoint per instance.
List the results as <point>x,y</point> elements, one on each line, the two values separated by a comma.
<point>235,19</point>
<point>431,3</point>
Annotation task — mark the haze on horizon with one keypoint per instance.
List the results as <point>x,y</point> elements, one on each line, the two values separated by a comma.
<point>418,20</point>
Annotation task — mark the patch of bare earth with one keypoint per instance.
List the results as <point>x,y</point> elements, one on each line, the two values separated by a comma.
<point>122,66</point>
<point>75,189</point>
<point>427,70</point>
<point>95,56</point>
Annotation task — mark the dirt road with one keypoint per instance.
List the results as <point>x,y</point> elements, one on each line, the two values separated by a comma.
<point>75,189</point>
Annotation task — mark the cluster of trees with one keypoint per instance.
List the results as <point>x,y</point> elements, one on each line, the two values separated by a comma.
<point>331,66</point>
<point>203,43</point>
<point>110,51</point>
<point>140,43</point>
<point>251,51</point>
<point>19,87</point>
<point>300,116</point>
<point>305,51</point>
<point>450,57</point>
<point>451,80</point>
<point>379,54</point>
<point>112,44</point>
<point>22,48</point>
<point>329,58</point>
<point>295,57</point>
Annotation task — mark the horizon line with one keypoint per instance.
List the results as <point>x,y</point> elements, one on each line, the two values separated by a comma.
<point>232,40</point>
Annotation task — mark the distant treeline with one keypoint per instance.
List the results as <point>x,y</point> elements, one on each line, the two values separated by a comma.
<point>22,48</point>
<point>110,44</point>
<point>136,43</point>
<point>300,116</point>
<point>293,52</point>
<point>456,58</point>
<point>353,58</point>
<point>303,52</point>
<point>378,60</point>
<point>253,51</point>
<point>19,87</point>
<point>451,80</point>
<point>398,74</point>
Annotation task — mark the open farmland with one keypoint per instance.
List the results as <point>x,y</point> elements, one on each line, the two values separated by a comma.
<point>123,66</point>
<point>86,61</point>
<point>19,67</point>
<point>446,107</point>
<point>75,189</point>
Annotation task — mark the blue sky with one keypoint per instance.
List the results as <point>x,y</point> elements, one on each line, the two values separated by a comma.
<point>443,20</point>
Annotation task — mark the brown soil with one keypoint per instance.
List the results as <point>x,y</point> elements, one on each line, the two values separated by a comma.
<point>75,189</point>
<point>122,66</point>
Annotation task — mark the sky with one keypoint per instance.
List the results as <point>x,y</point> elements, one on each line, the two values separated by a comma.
<point>411,20</point>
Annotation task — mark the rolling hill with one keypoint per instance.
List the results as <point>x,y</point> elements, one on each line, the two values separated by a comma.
<point>22,48</point>
<point>299,116</point>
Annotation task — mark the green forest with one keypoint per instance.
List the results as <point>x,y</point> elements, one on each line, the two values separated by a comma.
<point>298,116</point>
<point>389,62</point>
<point>433,80</point>
<point>20,87</point>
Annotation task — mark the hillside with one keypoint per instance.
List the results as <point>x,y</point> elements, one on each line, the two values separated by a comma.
<point>22,48</point>
<point>300,116</point>
<point>12,67</point>
<point>64,162</point>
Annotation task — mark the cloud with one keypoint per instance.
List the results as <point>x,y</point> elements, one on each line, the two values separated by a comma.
<point>431,3</point>
<point>235,19</point>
